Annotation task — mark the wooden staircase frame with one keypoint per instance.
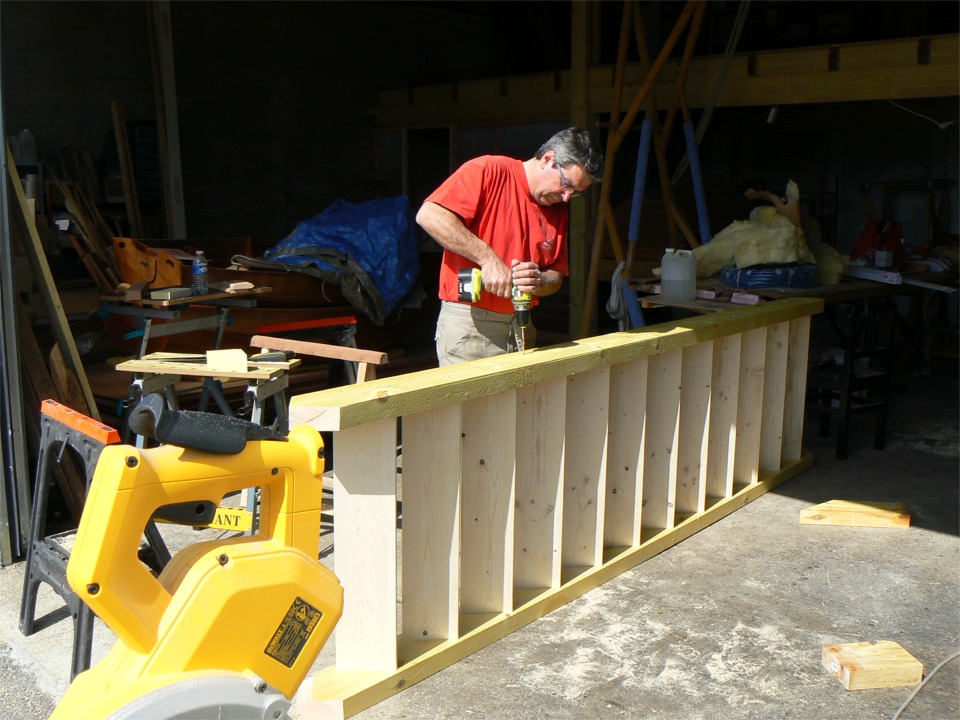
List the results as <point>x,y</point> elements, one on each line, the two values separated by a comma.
<point>529,479</point>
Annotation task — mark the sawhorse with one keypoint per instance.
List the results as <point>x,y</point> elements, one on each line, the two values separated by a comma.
<point>46,560</point>
<point>266,381</point>
<point>160,372</point>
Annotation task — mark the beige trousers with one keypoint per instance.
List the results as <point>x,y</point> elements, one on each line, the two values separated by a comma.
<point>466,333</point>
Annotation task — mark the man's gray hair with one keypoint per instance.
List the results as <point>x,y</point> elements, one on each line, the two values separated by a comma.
<point>574,147</point>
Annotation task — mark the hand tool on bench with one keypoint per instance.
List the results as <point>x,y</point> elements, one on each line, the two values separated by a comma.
<point>231,627</point>
<point>273,356</point>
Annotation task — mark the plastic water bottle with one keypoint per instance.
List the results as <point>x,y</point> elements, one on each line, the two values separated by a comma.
<point>28,147</point>
<point>200,274</point>
<point>678,276</point>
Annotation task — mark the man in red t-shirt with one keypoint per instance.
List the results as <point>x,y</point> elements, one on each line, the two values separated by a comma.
<point>509,218</point>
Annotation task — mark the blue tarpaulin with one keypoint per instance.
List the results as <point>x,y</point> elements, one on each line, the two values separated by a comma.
<point>370,249</point>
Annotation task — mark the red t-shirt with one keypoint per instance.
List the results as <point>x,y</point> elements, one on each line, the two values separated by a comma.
<point>492,197</point>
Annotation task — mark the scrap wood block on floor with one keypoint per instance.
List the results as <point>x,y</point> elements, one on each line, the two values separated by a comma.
<point>857,514</point>
<point>868,665</point>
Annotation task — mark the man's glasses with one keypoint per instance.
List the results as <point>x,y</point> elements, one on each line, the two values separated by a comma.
<point>573,192</point>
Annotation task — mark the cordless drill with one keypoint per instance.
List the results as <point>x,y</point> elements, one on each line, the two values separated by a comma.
<point>470,287</point>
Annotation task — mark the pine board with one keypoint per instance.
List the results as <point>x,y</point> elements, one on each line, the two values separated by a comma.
<point>869,665</point>
<point>857,514</point>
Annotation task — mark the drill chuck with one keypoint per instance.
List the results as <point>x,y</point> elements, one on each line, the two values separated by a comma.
<point>521,306</point>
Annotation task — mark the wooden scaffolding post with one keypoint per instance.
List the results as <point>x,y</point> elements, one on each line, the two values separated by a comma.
<point>130,196</point>
<point>160,30</point>
<point>661,136</point>
<point>618,131</point>
<point>47,287</point>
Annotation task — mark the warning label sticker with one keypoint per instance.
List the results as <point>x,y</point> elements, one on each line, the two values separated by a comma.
<point>295,629</point>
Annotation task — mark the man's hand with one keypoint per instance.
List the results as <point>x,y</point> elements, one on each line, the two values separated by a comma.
<point>530,278</point>
<point>526,276</point>
<point>496,277</point>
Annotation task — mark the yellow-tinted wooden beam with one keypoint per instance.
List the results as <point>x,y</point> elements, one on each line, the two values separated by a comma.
<point>903,69</point>
<point>353,405</point>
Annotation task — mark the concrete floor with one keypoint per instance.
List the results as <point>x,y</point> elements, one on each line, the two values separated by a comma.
<point>728,624</point>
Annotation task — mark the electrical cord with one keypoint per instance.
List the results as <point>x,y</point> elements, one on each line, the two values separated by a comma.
<point>941,125</point>
<point>615,306</point>
<point>919,687</point>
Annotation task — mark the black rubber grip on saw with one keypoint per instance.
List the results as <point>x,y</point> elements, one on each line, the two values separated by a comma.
<point>210,432</point>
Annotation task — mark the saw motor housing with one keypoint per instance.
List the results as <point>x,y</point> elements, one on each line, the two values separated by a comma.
<point>230,626</point>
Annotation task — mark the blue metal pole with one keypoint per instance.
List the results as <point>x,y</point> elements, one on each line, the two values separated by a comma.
<point>629,297</point>
<point>697,177</point>
<point>639,180</point>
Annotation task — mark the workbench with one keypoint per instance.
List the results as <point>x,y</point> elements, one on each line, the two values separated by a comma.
<point>848,290</point>
<point>147,309</point>
<point>927,286</point>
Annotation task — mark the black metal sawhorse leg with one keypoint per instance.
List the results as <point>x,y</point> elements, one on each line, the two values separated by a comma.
<point>46,560</point>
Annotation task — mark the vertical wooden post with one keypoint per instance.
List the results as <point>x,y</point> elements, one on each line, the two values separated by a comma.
<point>431,524</point>
<point>696,374</point>
<point>660,464</point>
<point>774,393</point>
<point>585,468</point>
<point>627,425</point>
<point>488,467</point>
<point>793,405</point>
<point>539,500</point>
<point>365,536</point>
<point>724,402</point>
<point>168,122</point>
<point>752,354</point>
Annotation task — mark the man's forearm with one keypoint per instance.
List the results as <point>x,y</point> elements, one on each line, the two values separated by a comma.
<point>448,230</point>
<point>550,282</point>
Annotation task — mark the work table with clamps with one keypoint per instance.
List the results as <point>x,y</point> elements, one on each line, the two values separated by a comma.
<point>171,363</point>
<point>148,305</point>
<point>167,297</point>
<point>709,297</point>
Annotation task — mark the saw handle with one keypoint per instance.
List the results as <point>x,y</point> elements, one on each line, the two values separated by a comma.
<point>210,432</point>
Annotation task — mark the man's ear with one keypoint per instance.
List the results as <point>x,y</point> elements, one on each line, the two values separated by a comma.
<point>547,159</point>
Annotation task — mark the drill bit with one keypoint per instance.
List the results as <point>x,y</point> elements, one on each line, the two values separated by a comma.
<point>521,306</point>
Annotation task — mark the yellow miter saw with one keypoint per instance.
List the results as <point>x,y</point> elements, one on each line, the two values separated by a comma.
<point>230,628</point>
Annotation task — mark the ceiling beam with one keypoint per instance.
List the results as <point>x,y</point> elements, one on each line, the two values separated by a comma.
<point>883,70</point>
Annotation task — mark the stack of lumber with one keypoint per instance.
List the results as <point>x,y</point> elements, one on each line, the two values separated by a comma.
<point>94,239</point>
<point>60,374</point>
